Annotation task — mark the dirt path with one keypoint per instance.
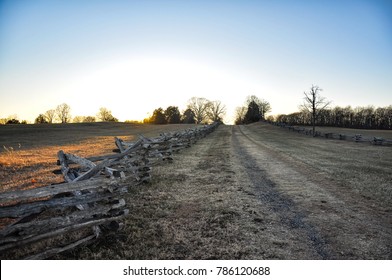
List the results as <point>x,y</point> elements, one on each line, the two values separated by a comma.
<point>337,222</point>
<point>232,197</point>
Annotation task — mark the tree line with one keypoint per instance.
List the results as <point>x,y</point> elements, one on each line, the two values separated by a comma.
<point>316,111</point>
<point>367,117</point>
<point>62,114</point>
<point>199,111</point>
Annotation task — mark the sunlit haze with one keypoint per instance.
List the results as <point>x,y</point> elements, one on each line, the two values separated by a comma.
<point>135,56</point>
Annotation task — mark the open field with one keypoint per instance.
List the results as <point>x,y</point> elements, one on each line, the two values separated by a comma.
<point>28,153</point>
<point>252,192</point>
<point>367,133</point>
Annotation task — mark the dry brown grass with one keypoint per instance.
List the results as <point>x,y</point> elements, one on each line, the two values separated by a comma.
<point>28,153</point>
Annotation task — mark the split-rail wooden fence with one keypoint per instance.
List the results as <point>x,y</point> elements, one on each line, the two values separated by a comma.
<point>41,222</point>
<point>358,138</point>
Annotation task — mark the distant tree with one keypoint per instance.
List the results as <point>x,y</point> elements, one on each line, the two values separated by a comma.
<point>188,116</point>
<point>216,111</point>
<point>147,120</point>
<point>78,119</point>
<point>40,119</point>
<point>105,115</point>
<point>263,107</point>
<point>50,115</point>
<point>270,119</point>
<point>199,106</point>
<point>158,116</point>
<point>133,121</point>
<point>253,113</point>
<point>239,117</point>
<point>63,112</point>
<point>13,121</point>
<point>314,103</point>
<point>89,119</point>
<point>172,115</point>
<point>382,118</point>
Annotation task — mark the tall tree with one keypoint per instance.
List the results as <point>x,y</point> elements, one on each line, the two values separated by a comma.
<point>158,116</point>
<point>172,114</point>
<point>216,111</point>
<point>199,106</point>
<point>188,116</point>
<point>50,115</point>
<point>314,103</point>
<point>253,113</point>
<point>264,105</point>
<point>240,115</point>
<point>256,109</point>
<point>63,112</point>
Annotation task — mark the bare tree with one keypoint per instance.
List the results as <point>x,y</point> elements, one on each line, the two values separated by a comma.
<point>265,107</point>
<point>215,111</point>
<point>314,103</point>
<point>199,107</point>
<point>63,112</point>
<point>50,115</point>
<point>240,115</point>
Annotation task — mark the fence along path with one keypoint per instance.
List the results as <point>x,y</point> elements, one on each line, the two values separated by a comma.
<point>339,136</point>
<point>45,221</point>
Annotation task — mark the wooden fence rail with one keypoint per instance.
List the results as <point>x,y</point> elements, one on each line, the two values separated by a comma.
<point>331,135</point>
<point>41,222</point>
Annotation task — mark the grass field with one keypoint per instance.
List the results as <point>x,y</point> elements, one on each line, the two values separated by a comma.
<point>367,133</point>
<point>364,167</point>
<point>28,153</point>
<point>244,192</point>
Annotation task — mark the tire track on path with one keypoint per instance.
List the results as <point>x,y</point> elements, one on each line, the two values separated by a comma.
<point>338,225</point>
<point>289,214</point>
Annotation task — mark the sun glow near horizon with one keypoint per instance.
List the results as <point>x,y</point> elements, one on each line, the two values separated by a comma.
<point>135,56</point>
<point>133,87</point>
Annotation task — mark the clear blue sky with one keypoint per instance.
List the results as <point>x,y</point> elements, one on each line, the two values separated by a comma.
<point>134,56</point>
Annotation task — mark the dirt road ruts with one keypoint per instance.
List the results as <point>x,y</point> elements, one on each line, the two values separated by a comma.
<point>233,195</point>
<point>338,223</point>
